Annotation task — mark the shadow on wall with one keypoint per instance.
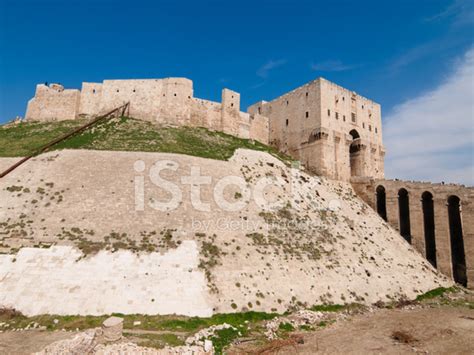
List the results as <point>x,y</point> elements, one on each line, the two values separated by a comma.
<point>437,219</point>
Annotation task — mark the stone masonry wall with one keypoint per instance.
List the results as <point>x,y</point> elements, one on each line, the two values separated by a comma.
<point>53,103</point>
<point>343,111</point>
<point>164,101</point>
<point>313,124</point>
<point>91,97</point>
<point>318,123</point>
<point>259,128</point>
<point>366,189</point>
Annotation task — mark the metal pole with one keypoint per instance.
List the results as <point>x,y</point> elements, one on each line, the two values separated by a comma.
<point>62,138</point>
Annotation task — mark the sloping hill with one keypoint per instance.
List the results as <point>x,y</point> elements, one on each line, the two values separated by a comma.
<point>125,134</point>
<point>321,244</point>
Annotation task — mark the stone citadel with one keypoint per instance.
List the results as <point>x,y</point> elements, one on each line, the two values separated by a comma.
<point>333,131</point>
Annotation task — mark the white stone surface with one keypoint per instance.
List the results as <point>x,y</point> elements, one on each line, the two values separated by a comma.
<point>39,281</point>
<point>361,258</point>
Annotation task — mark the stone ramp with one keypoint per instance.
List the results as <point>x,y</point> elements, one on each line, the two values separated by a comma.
<point>322,245</point>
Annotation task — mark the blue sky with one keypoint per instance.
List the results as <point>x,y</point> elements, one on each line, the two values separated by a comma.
<point>389,51</point>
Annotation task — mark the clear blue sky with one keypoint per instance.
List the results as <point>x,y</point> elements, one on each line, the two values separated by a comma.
<point>385,50</point>
<point>414,57</point>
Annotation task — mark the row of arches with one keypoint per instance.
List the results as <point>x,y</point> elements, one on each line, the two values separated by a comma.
<point>458,257</point>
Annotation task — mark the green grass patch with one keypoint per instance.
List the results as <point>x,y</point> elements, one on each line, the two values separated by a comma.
<point>157,341</point>
<point>24,138</point>
<point>350,307</point>
<point>287,327</point>
<point>126,134</point>
<point>223,338</point>
<point>328,308</point>
<point>437,292</point>
<point>148,322</point>
<point>179,327</point>
<point>63,322</point>
<point>234,319</point>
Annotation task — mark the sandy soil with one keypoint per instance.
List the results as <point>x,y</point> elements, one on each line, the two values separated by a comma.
<point>29,341</point>
<point>444,330</point>
<point>441,330</point>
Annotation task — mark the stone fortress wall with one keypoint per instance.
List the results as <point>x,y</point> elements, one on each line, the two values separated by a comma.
<point>330,129</point>
<point>165,101</point>
<point>437,219</point>
<point>333,131</point>
<point>53,102</point>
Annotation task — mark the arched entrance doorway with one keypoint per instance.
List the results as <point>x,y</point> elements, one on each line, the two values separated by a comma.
<point>381,202</point>
<point>404,214</point>
<point>429,226</point>
<point>458,258</point>
<point>355,154</point>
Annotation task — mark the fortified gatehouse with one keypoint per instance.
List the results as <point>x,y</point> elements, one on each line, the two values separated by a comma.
<point>331,130</point>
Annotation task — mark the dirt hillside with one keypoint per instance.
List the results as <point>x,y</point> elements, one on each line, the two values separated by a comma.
<point>102,244</point>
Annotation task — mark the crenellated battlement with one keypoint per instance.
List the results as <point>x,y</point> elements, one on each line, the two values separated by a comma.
<point>166,101</point>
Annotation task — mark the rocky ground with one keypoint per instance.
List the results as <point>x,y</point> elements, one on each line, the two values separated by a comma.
<point>440,322</point>
<point>400,331</point>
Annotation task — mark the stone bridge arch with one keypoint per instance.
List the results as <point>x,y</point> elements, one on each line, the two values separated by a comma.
<point>381,197</point>
<point>458,256</point>
<point>427,206</point>
<point>404,214</point>
<point>437,218</point>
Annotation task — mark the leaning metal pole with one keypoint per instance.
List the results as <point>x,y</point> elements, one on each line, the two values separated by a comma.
<point>122,109</point>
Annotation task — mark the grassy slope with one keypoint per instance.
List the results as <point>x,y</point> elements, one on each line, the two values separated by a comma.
<point>22,139</point>
<point>125,134</point>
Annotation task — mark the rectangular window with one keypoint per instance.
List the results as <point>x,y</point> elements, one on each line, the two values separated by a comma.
<point>344,118</point>
<point>329,112</point>
<point>307,114</point>
<point>286,122</point>
<point>363,125</point>
<point>337,115</point>
<point>259,110</point>
<point>370,128</point>
<point>353,117</point>
<point>375,129</point>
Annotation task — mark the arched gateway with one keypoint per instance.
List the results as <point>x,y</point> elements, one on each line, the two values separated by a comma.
<point>355,154</point>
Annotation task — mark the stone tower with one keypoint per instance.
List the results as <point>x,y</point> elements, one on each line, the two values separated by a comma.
<point>331,130</point>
